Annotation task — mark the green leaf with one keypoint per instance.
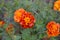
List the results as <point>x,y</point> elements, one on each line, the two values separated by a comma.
<point>16,37</point>
<point>5,26</point>
<point>53,38</point>
<point>26,34</point>
<point>6,37</point>
<point>33,37</point>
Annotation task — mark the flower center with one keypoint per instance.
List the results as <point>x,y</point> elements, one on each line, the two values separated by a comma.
<point>27,20</point>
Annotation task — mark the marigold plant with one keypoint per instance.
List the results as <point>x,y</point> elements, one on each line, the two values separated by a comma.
<point>53,28</point>
<point>25,19</point>
<point>57,5</point>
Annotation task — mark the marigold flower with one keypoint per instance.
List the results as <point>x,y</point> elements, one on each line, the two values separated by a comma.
<point>24,18</point>
<point>57,5</point>
<point>53,28</point>
<point>18,13</point>
<point>10,28</point>
<point>27,21</point>
<point>2,23</point>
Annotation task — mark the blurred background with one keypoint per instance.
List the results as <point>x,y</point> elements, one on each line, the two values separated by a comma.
<point>42,11</point>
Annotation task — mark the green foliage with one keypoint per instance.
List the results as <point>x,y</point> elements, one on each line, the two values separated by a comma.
<point>41,10</point>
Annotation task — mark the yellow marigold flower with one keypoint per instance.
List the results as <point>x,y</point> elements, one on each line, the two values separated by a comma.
<point>57,5</point>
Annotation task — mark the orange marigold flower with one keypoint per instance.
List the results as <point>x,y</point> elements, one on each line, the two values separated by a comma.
<point>2,23</point>
<point>58,0</point>
<point>26,19</point>
<point>52,28</point>
<point>18,13</point>
<point>57,5</point>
